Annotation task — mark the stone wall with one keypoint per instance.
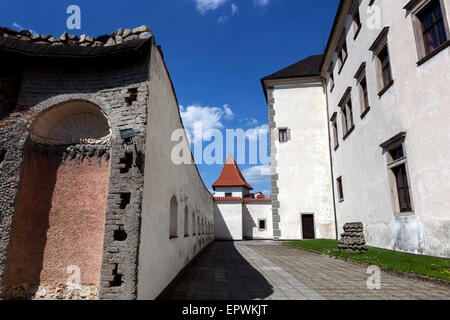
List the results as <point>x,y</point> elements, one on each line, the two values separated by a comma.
<point>110,88</point>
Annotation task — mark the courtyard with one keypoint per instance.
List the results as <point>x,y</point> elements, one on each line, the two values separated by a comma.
<point>268,270</point>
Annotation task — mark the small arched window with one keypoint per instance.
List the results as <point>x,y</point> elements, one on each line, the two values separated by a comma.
<point>186,222</point>
<point>173,218</point>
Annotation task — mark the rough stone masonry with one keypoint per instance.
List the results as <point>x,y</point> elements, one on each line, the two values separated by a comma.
<point>40,73</point>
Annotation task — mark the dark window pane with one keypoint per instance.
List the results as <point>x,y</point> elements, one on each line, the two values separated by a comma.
<point>262,224</point>
<point>397,153</point>
<point>404,198</point>
<point>283,135</point>
<point>433,28</point>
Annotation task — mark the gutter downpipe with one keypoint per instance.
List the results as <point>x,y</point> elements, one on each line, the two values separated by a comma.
<point>325,82</point>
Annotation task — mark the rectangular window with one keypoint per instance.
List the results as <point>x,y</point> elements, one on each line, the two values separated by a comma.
<point>330,72</point>
<point>433,26</point>
<point>401,180</point>
<point>357,22</point>
<point>347,117</point>
<point>385,65</point>
<point>228,195</point>
<point>398,173</point>
<point>364,96</point>
<point>340,189</point>
<point>262,225</point>
<point>342,54</point>
<point>335,130</point>
<point>283,135</point>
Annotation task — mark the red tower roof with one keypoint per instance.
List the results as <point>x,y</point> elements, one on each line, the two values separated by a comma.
<point>231,176</point>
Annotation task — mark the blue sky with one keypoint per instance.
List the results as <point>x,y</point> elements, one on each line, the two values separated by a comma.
<point>216,50</point>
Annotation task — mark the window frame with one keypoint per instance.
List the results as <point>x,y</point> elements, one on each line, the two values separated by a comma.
<point>287,136</point>
<point>347,113</point>
<point>334,126</point>
<point>364,99</point>
<point>173,218</point>
<point>356,19</point>
<point>379,46</point>
<point>340,50</point>
<point>259,224</point>
<point>394,143</point>
<point>340,189</point>
<point>415,9</point>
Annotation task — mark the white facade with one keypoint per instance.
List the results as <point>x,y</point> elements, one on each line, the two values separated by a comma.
<point>239,192</point>
<point>253,213</point>
<point>408,115</point>
<point>416,104</point>
<point>161,258</point>
<point>301,170</point>
<point>228,222</point>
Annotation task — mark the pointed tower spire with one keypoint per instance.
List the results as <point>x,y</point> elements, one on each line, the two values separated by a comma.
<point>231,176</point>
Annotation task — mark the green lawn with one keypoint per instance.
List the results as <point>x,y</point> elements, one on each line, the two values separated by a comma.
<point>427,266</point>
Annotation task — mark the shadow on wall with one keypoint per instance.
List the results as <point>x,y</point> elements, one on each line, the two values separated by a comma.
<point>219,273</point>
<point>248,224</point>
<point>32,223</point>
<point>221,231</point>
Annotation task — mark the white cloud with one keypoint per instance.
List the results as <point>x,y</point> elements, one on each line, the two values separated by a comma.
<point>203,6</point>
<point>234,9</point>
<point>210,118</point>
<point>257,174</point>
<point>19,27</point>
<point>252,122</point>
<point>261,3</point>
<point>223,19</point>
<point>228,113</point>
<point>252,134</point>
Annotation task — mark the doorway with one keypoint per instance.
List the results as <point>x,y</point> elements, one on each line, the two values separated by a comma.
<point>308,226</point>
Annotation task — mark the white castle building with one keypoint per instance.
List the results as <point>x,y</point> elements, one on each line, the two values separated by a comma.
<point>360,133</point>
<point>238,214</point>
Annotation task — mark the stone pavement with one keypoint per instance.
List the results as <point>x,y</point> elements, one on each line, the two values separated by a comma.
<point>255,270</point>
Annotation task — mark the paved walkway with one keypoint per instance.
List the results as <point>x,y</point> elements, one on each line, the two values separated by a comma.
<point>256,270</point>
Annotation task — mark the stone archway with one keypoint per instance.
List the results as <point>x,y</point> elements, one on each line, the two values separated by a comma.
<point>60,220</point>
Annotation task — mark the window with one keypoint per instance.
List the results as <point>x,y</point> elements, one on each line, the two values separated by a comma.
<point>173,218</point>
<point>193,224</point>
<point>356,22</point>
<point>385,65</point>
<point>342,53</point>
<point>335,130</point>
<point>347,113</point>
<point>364,95</point>
<point>432,26</point>
<point>228,195</point>
<point>340,189</point>
<point>198,226</point>
<point>398,173</point>
<point>361,79</point>
<point>186,222</point>
<point>331,81</point>
<point>381,52</point>
<point>284,134</point>
<point>262,224</point>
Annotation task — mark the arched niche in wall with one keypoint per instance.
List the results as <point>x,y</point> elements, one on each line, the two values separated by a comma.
<point>69,123</point>
<point>61,214</point>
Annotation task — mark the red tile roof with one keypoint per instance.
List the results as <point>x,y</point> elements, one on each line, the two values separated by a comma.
<point>227,198</point>
<point>231,176</point>
<point>250,199</point>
